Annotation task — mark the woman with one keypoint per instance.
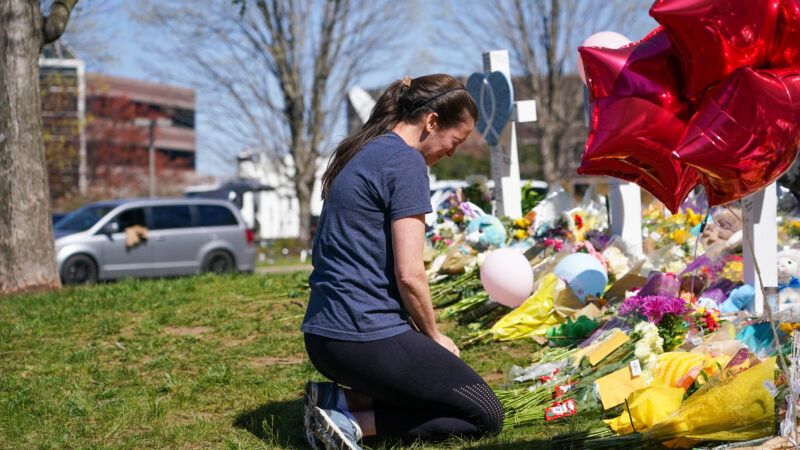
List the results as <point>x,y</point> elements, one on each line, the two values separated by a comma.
<point>368,287</point>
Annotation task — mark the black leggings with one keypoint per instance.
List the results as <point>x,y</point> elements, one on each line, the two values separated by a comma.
<point>420,390</point>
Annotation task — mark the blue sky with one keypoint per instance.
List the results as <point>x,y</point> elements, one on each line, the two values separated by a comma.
<point>120,38</point>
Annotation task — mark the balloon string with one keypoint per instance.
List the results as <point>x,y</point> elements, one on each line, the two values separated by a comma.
<point>748,238</point>
<point>694,257</point>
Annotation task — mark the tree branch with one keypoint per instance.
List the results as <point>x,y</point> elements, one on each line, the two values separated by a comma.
<point>53,26</point>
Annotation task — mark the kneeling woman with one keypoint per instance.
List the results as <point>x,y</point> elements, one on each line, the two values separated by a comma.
<point>370,324</point>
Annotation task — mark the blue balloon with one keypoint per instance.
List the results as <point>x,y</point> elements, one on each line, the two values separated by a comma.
<point>584,274</point>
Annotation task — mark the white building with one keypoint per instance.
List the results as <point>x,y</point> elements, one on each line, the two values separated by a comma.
<point>274,210</point>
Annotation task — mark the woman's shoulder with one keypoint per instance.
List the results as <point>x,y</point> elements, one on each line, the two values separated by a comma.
<point>389,147</point>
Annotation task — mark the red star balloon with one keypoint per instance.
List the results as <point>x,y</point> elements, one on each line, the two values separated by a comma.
<point>712,96</point>
<point>638,117</point>
<point>712,38</point>
<point>786,48</point>
<point>745,134</point>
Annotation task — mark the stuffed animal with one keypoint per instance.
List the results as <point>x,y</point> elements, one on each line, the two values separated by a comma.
<point>788,265</point>
<point>789,276</point>
<point>484,232</point>
<point>739,299</point>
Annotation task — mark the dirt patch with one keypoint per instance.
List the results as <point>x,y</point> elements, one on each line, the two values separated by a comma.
<point>266,361</point>
<point>231,342</point>
<point>517,351</point>
<point>186,331</point>
<point>494,377</point>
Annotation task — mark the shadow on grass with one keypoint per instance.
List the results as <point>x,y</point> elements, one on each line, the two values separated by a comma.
<point>279,424</point>
<point>542,444</point>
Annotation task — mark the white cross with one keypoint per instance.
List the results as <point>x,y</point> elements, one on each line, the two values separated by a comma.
<point>505,159</point>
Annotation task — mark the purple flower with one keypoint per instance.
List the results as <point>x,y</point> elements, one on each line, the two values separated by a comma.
<point>467,210</point>
<point>654,307</point>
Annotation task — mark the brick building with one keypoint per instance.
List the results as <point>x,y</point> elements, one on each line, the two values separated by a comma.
<point>118,112</point>
<point>96,131</point>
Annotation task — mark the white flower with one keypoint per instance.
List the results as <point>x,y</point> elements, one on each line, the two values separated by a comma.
<point>641,350</point>
<point>648,377</point>
<point>617,261</point>
<point>651,362</point>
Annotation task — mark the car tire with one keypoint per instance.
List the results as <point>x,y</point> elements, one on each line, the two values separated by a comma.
<point>218,261</point>
<point>79,269</point>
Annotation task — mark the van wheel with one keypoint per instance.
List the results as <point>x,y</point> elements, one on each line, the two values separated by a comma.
<point>79,269</point>
<point>218,261</point>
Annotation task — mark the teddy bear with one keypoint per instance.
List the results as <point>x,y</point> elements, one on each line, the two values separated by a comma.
<point>486,231</point>
<point>789,275</point>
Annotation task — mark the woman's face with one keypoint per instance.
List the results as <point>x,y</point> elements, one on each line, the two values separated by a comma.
<point>441,142</point>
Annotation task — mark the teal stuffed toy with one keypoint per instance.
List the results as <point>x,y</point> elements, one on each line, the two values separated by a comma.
<point>484,232</point>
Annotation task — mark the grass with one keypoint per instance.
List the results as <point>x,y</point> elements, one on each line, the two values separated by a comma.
<point>200,362</point>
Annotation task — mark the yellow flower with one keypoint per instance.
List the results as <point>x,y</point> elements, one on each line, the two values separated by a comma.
<point>789,327</point>
<point>521,223</point>
<point>733,271</point>
<point>680,236</point>
<point>677,219</point>
<point>520,234</point>
<point>692,218</point>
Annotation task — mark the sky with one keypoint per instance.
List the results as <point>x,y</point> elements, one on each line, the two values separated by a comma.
<point>117,39</point>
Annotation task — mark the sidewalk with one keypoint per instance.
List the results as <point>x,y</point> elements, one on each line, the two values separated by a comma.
<point>284,269</point>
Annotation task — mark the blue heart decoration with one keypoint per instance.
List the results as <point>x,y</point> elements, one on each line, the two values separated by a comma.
<point>495,99</point>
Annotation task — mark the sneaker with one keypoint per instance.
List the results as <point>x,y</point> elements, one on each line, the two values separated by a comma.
<point>336,430</point>
<point>324,395</point>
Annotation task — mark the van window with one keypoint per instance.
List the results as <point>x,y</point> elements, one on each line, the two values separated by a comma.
<point>215,216</point>
<point>177,216</point>
<point>131,217</point>
<point>83,219</point>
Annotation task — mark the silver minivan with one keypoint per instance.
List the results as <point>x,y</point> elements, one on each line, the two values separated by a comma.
<point>152,238</point>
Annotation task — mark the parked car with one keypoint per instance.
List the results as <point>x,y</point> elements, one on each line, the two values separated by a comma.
<point>152,238</point>
<point>56,216</point>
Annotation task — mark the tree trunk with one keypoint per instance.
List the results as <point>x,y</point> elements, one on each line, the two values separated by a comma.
<point>304,185</point>
<point>27,253</point>
<point>547,150</point>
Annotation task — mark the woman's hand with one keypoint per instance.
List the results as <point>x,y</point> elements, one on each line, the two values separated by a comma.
<point>447,343</point>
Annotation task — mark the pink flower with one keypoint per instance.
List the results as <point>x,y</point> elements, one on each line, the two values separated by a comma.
<point>654,307</point>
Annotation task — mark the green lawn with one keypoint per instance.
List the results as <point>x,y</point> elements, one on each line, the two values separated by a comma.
<point>200,362</point>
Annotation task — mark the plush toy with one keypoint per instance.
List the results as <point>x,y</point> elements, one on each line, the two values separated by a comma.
<point>484,232</point>
<point>739,299</point>
<point>789,276</point>
<point>788,265</point>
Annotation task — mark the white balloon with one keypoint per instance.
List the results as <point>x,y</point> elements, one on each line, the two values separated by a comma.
<point>507,276</point>
<point>607,39</point>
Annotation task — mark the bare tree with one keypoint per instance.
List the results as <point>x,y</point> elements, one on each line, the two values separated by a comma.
<point>93,32</point>
<point>542,37</point>
<point>27,253</point>
<point>275,73</point>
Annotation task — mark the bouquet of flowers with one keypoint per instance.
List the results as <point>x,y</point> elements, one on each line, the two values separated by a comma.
<point>668,313</point>
<point>522,228</point>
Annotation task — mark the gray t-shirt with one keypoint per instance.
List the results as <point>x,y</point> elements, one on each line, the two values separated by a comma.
<point>354,294</point>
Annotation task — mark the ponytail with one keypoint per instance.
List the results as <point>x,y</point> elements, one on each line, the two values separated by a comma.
<point>404,100</point>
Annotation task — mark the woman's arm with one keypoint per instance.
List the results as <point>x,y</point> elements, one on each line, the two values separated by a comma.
<point>408,238</point>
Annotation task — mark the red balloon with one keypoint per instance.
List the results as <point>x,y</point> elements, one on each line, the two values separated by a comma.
<point>638,117</point>
<point>712,38</point>
<point>745,134</point>
<point>786,49</point>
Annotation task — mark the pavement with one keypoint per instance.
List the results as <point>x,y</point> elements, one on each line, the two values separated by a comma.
<point>284,269</point>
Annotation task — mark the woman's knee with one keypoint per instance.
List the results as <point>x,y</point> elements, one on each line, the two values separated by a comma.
<point>486,409</point>
<point>493,418</point>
